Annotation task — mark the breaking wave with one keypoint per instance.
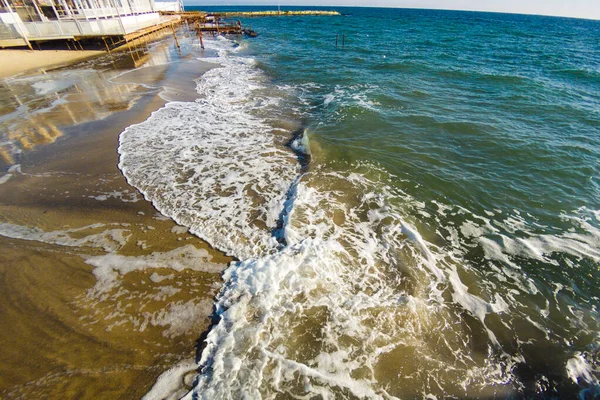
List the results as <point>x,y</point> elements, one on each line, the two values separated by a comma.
<point>342,290</point>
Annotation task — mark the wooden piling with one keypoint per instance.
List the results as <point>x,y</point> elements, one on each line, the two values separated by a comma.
<point>200,36</point>
<point>130,52</point>
<point>175,36</point>
<point>106,45</point>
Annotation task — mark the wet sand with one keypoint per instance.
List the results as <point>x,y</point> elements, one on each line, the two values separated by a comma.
<point>18,61</point>
<point>100,294</point>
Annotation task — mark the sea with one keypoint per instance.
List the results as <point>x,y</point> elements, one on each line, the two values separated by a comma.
<point>412,198</point>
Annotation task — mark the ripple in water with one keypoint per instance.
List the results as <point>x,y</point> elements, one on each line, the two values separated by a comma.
<point>349,285</point>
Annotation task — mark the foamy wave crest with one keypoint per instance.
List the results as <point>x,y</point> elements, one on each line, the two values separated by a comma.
<point>214,165</point>
<point>338,312</point>
<point>341,292</point>
<point>355,288</point>
<point>360,305</point>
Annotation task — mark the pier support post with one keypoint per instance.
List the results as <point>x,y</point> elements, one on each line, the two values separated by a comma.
<point>130,51</point>
<point>106,45</point>
<point>175,36</point>
<point>200,36</point>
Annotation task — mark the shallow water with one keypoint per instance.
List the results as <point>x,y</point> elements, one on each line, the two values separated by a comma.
<point>99,293</point>
<point>416,214</point>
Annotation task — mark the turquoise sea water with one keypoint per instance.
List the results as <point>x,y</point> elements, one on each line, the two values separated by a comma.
<point>416,213</point>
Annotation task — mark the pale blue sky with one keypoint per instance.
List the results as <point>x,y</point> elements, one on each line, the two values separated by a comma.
<point>572,8</point>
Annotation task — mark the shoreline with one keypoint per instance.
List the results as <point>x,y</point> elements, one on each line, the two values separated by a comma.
<point>93,275</point>
<point>404,253</point>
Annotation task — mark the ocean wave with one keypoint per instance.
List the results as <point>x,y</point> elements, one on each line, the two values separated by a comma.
<point>356,288</point>
<point>213,166</point>
<point>342,288</point>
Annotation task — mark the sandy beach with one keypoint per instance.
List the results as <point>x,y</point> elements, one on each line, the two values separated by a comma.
<point>18,61</point>
<point>100,293</point>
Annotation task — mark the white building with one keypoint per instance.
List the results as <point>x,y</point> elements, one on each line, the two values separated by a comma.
<point>25,21</point>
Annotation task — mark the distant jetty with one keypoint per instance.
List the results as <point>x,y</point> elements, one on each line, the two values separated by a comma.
<point>214,22</point>
<point>232,14</point>
<point>272,13</point>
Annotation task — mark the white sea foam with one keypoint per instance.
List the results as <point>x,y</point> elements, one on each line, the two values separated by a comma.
<point>10,173</point>
<point>578,369</point>
<point>156,278</point>
<point>352,300</point>
<point>353,268</point>
<point>5,178</point>
<point>109,267</point>
<point>156,304</point>
<point>125,196</point>
<point>171,384</point>
<point>350,96</point>
<point>108,239</point>
<point>366,281</point>
<point>213,165</point>
<point>178,230</point>
<point>172,318</point>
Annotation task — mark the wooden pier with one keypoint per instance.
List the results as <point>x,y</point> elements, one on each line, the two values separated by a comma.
<point>118,32</point>
<point>137,42</point>
<point>210,23</point>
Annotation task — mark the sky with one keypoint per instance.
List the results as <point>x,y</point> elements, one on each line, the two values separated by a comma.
<point>568,8</point>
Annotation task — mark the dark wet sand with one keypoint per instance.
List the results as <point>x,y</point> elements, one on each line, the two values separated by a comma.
<point>62,336</point>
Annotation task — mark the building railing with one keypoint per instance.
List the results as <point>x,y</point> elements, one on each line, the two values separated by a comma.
<point>73,28</point>
<point>9,31</point>
<point>78,27</point>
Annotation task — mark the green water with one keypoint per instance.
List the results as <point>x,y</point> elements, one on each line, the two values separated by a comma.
<point>441,238</point>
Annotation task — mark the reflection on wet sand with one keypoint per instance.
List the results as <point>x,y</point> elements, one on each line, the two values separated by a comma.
<point>99,294</point>
<point>58,99</point>
<point>35,109</point>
